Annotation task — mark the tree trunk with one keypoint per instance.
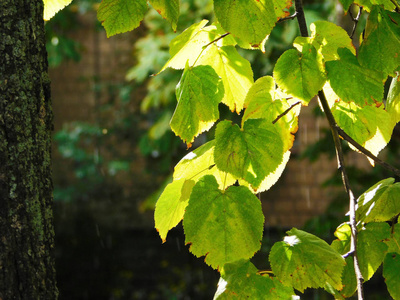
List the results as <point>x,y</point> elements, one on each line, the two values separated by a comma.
<point>26,221</point>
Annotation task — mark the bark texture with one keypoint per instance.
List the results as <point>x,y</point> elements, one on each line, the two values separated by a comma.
<point>26,223</point>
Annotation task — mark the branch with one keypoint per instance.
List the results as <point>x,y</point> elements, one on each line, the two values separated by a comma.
<point>340,158</point>
<point>366,152</point>
<point>346,183</point>
<point>355,20</point>
<point>396,4</point>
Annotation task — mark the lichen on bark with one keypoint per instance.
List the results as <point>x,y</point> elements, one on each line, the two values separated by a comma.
<point>26,227</point>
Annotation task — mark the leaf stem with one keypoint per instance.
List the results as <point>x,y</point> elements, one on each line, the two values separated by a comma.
<point>205,46</point>
<point>285,112</point>
<point>396,4</point>
<point>340,159</point>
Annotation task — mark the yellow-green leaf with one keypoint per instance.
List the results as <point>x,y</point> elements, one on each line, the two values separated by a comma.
<point>235,72</point>
<point>223,225</point>
<point>51,7</point>
<point>168,9</point>
<point>118,16</point>
<point>199,92</point>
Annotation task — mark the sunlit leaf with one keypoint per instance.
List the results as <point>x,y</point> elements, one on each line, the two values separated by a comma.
<point>239,280</point>
<point>249,20</point>
<point>368,5</point>
<point>223,225</point>
<point>235,72</point>
<point>251,153</point>
<point>51,7</point>
<point>370,126</point>
<point>303,260</point>
<point>199,92</point>
<point>168,9</point>
<point>118,16</point>
<point>371,248</point>
<point>380,49</point>
<point>394,241</point>
<point>380,203</point>
<point>171,205</point>
<point>391,273</point>
<point>353,83</point>
<point>393,99</point>
<point>199,163</point>
<point>300,74</point>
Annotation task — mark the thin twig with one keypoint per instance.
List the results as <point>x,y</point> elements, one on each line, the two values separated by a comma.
<point>346,183</point>
<point>366,152</point>
<point>355,20</point>
<point>340,159</point>
<point>396,4</point>
<point>285,112</point>
<point>291,17</point>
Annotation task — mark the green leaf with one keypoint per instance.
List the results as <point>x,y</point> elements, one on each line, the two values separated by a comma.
<point>371,249</point>
<point>380,49</point>
<point>394,241</point>
<point>189,46</point>
<point>370,126</point>
<point>368,5</point>
<point>239,280</point>
<point>171,205</point>
<point>235,72</point>
<point>249,20</point>
<point>51,7</point>
<point>264,102</point>
<point>391,272</point>
<point>342,245</point>
<point>393,99</point>
<point>251,153</point>
<point>199,92</point>
<point>327,38</point>
<point>200,162</point>
<point>380,203</point>
<point>223,225</point>
<point>353,83</point>
<point>168,9</point>
<point>118,16</point>
<point>346,4</point>
<point>300,74</point>
<point>303,260</point>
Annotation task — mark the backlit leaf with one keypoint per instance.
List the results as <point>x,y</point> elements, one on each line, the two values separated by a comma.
<point>249,20</point>
<point>251,153</point>
<point>199,92</point>
<point>380,203</point>
<point>370,126</point>
<point>170,207</point>
<point>380,49</point>
<point>300,74</point>
<point>223,225</point>
<point>371,248</point>
<point>393,99</point>
<point>391,272</point>
<point>303,260</point>
<point>353,83</point>
<point>235,72</point>
<point>200,162</point>
<point>239,280</point>
<point>168,9</point>
<point>118,16</point>
<point>394,241</point>
<point>368,5</point>
<point>51,7</point>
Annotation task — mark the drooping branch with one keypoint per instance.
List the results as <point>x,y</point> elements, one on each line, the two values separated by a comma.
<point>355,20</point>
<point>340,159</point>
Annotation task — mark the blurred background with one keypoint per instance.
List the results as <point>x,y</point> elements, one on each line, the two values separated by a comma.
<point>114,153</point>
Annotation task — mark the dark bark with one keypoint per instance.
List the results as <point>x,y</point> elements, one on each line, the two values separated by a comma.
<point>26,221</point>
